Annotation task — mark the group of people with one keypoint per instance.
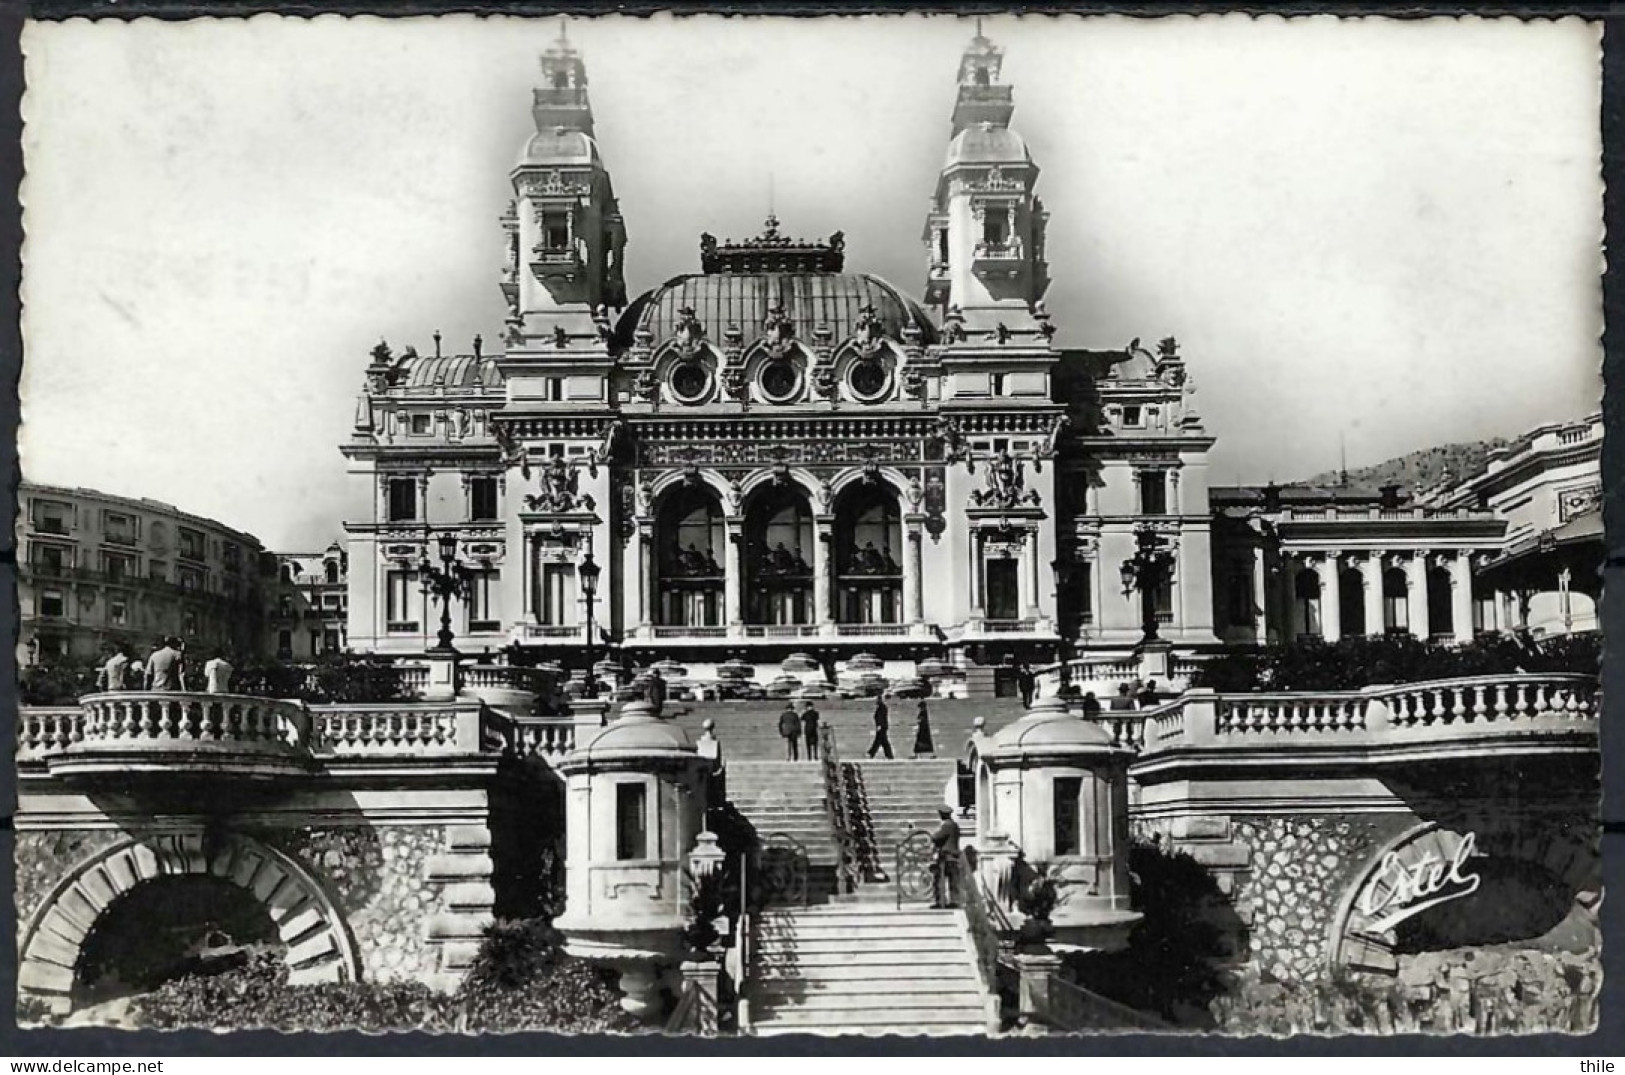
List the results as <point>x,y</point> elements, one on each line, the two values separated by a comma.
<point>1130,696</point>
<point>923,747</point>
<point>800,727</point>
<point>165,669</point>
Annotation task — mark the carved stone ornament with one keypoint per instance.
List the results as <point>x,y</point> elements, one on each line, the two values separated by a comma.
<point>646,386</point>
<point>733,382</point>
<point>689,333</point>
<point>953,325</point>
<point>559,493</point>
<point>871,333</point>
<point>914,383</point>
<point>1006,485</point>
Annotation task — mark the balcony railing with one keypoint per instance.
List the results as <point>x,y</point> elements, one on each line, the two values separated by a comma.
<point>781,630</point>
<point>872,630</point>
<point>537,632</point>
<point>1009,627</point>
<point>452,728</point>
<point>690,632</point>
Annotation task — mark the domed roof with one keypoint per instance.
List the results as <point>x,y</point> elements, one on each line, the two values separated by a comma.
<point>984,143</point>
<point>559,145</point>
<point>809,299</point>
<point>1048,728</point>
<point>636,733</point>
<point>449,371</point>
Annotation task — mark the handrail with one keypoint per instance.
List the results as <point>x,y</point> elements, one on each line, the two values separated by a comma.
<point>980,920</point>
<point>686,1016</point>
<point>1068,1007</point>
<point>838,799</point>
<point>743,927</point>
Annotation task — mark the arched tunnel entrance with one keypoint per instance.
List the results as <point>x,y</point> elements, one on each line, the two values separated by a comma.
<point>166,928</point>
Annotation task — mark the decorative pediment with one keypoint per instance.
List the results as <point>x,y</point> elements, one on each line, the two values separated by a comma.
<point>559,493</point>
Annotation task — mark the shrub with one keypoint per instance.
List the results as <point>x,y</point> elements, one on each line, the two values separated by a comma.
<point>55,684</point>
<point>521,980</point>
<point>1352,663</point>
<point>333,679</point>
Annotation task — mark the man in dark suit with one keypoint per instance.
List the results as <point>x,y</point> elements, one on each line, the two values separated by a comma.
<point>790,730</point>
<point>882,740</point>
<point>809,729</point>
<point>945,870</point>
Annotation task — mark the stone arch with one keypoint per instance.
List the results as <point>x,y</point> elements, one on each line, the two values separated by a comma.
<point>1572,861</point>
<point>662,487</point>
<point>900,484</point>
<point>308,923</point>
<point>799,477</point>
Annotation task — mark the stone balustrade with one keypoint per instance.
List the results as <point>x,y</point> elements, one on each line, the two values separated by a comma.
<point>548,739</point>
<point>414,678</point>
<point>139,731</point>
<point>409,729</point>
<point>1483,712</point>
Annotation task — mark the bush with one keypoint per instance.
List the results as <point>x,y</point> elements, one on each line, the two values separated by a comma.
<point>341,678</point>
<point>55,684</point>
<point>521,980</point>
<point>1352,663</point>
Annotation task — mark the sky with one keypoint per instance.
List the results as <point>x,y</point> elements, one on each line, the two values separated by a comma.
<point>1377,234</point>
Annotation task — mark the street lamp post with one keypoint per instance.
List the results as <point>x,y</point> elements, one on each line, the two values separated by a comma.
<point>445,582</point>
<point>588,573</point>
<point>1146,571</point>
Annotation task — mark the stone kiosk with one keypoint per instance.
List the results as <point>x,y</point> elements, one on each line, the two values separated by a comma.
<point>635,802</point>
<point>1056,789</point>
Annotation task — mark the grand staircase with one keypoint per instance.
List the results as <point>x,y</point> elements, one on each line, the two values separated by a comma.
<point>900,796</point>
<point>861,965</point>
<point>787,799</point>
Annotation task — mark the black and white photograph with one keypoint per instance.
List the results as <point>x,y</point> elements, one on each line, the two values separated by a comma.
<point>989,527</point>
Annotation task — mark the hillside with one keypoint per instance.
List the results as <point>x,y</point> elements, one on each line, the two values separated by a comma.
<point>1419,470</point>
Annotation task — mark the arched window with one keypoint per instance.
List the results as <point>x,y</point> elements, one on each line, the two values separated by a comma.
<point>690,556</point>
<point>331,569</point>
<point>778,557</point>
<point>868,552</point>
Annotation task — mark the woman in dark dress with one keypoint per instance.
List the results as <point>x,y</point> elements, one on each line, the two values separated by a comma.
<point>923,747</point>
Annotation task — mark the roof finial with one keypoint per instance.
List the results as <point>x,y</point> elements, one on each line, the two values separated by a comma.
<point>978,26</point>
<point>437,343</point>
<point>564,31</point>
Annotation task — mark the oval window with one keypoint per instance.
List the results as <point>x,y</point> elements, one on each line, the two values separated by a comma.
<point>868,378</point>
<point>780,379</point>
<point>690,381</point>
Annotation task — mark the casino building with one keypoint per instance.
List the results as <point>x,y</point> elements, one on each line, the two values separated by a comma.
<point>774,454</point>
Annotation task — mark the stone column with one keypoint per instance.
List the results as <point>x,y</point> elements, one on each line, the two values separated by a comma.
<point>733,584</point>
<point>1461,597</point>
<point>1029,563</point>
<point>823,536</point>
<point>1261,598</point>
<point>913,575</point>
<point>1290,566</point>
<point>527,577</point>
<point>977,603</point>
<point>1371,578</point>
<point>648,593</point>
<point>1331,598</point>
<point>1416,594</point>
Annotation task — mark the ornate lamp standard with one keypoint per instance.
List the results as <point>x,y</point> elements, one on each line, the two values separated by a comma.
<point>588,572</point>
<point>1147,570</point>
<point>445,582</point>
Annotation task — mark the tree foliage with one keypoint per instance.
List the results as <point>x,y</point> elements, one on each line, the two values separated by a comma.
<point>55,684</point>
<point>1352,663</point>
<point>338,678</point>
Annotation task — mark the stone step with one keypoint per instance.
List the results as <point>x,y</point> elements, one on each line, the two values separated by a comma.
<point>899,960</point>
<point>966,1018</point>
<point>876,988</point>
<point>865,913</point>
<point>858,932</point>
<point>947,974</point>
<point>877,945</point>
<point>918,1030</point>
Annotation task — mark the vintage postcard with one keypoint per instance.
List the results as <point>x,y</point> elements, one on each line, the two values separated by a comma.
<point>912,525</point>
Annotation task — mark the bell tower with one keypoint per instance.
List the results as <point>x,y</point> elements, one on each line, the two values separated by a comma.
<point>985,231</point>
<point>562,272</point>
